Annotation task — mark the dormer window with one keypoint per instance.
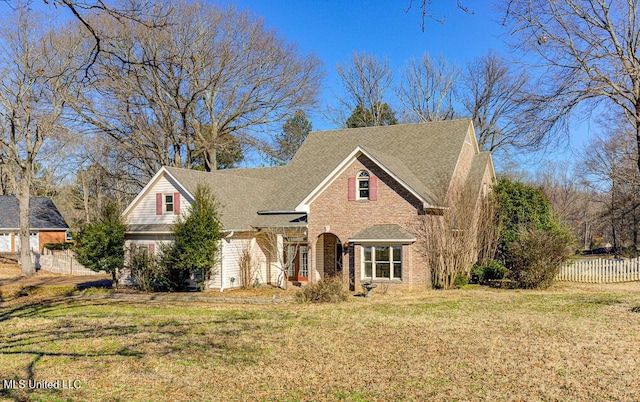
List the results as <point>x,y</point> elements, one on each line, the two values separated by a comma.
<point>363,185</point>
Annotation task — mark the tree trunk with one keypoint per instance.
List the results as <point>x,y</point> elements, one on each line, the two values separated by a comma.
<point>85,195</point>
<point>28,268</point>
<point>638,138</point>
<point>210,160</point>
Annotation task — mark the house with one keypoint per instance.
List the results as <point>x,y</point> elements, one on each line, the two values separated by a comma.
<point>46,224</point>
<point>345,205</point>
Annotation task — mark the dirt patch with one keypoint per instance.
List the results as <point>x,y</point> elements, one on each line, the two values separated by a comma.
<point>12,282</point>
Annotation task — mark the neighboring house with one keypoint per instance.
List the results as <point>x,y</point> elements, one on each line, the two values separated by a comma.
<point>46,224</point>
<point>345,205</point>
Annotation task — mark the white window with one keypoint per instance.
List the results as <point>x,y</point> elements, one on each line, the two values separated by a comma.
<point>168,203</point>
<point>363,185</point>
<point>304,261</point>
<point>290,257</point>
<point>382,262</point>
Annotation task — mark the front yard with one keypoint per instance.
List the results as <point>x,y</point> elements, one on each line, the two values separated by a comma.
<point>574,342</point>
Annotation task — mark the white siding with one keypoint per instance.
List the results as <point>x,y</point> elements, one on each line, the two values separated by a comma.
<point>144,212</point>
<point>232,250</point>
<point>260,259</point>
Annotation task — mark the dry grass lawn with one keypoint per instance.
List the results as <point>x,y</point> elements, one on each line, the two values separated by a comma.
<point>571,343</point>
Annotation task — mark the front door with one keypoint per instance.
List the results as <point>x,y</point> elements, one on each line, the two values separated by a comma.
<point>297,262</point>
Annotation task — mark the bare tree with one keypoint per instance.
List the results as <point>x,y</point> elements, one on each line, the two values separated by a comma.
<point>365,80</point>
<point>589,51</point>
<point>281,251</point>
<point>427,89</point>
<point>147,13</point>
<point>248,267</point>
<point>210,75</point>
<point>36,71</point>
<point>572,200</point>
<point>454,238</point>
<point>495,97</point>
<point>424,6</point>
<point>609,168</point>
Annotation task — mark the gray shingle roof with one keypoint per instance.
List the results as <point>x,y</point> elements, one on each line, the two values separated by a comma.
<point>423,156</point>
<point>43,214</point>
<point>429,151</point>
<point>383,232</point>
<point>239,196</point>
<point>479,165</point>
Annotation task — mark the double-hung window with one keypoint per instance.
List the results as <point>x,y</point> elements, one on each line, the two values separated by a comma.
<point>363,185</point>
<point>168,203</point>
<point>382,262</point>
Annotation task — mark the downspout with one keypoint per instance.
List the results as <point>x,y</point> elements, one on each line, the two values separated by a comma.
<point>228,239</point>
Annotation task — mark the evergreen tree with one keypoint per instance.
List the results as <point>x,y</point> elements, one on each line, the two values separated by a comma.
<point>100,244</point>
<point>294,131</point>
<point>196,239</point>
<point>380,114</point>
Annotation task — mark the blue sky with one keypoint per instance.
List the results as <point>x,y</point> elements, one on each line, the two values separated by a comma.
<point>334,29</point>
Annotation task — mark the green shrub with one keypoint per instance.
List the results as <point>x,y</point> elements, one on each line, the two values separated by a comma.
<point>329,290</point>
<point>57,246</point>
<point>533,243</point>
<point>489,270</point>
<point>460,281</point>
<point>477,273</point>
<point>537,255</point>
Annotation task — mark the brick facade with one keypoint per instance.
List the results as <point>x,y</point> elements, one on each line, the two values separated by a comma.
<point>332,213</point>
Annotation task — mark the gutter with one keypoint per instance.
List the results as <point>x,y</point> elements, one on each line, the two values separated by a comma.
<point>279,212</point>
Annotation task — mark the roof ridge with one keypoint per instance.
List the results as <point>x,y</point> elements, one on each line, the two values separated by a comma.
<point>399,125</point>
<point>220,172</point>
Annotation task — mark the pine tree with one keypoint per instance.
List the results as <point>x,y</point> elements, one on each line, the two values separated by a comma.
<point>294,131</point>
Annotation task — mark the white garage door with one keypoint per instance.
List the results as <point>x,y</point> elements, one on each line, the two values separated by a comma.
<point>33,242</point>
<point>5,242</point>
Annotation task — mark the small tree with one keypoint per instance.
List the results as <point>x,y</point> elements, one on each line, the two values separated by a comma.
<point>197,234</point>
<point>248,268</point>
<point>100,244</point>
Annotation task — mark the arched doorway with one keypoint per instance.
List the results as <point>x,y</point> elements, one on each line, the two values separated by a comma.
<point>329,255</point>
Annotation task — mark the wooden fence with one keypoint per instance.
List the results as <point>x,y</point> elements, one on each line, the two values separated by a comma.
<point>600,271</point>
<point>61,262</point>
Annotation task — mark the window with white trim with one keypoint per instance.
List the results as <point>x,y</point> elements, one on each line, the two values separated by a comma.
<point>290,257</point>
<point>363,185</point>
<point>382,262</point>
<point>168,203</point>
<point>304,261</point>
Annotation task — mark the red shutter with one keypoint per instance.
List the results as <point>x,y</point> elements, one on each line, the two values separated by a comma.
<point>373,188</point>
<point>158,203</point>
<point>152,249</point>
<point>352,189</point>
<point>176,203</point>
